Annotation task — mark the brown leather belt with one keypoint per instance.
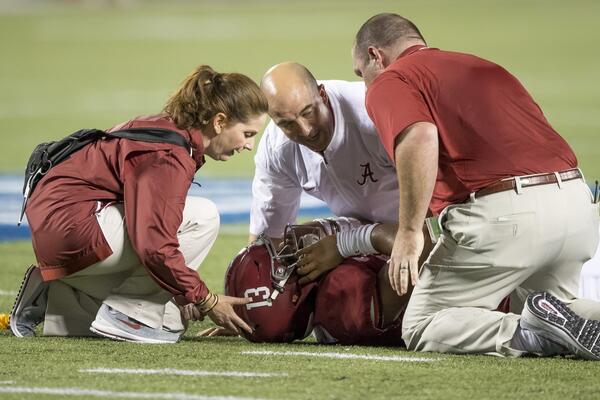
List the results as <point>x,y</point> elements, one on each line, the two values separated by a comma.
<point>534,180</point>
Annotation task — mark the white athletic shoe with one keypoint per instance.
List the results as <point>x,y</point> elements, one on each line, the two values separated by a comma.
<point>550,318</point>
<point>29,309</point>
<point>115,325</point>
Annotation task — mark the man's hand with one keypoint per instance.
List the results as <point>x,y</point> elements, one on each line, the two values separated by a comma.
<point>223,314</point>
<point>317,259</point>
<point>404,261</point>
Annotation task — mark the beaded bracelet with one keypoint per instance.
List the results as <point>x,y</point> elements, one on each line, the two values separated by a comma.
<point>208,303</point>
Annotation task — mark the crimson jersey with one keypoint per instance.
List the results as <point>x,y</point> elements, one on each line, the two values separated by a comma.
<point>489,127</point>
<point>343,305</point>
<point>348,307</point>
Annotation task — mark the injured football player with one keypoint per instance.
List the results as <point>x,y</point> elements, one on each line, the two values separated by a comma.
<point>351,304</point>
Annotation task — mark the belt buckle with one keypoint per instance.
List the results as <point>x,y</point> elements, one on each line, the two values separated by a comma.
<point>519,184</point>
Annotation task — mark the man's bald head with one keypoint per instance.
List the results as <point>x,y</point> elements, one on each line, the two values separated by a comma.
<point>298,105</point>
<point>286,83</point>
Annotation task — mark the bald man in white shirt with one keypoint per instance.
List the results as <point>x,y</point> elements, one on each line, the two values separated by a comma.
<point>320,141</point>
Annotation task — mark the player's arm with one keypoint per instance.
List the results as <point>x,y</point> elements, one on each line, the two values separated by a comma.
<point>354,238</point>
<point>383,236</point>
<point>336,243</point>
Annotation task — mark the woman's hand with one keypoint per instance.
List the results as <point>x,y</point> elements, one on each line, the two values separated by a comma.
<point>223,314</point>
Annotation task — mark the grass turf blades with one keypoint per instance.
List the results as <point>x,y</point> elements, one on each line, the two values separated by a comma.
<point>56,362</point>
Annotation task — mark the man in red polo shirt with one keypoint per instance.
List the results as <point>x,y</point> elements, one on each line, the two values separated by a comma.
<point>470,144</point>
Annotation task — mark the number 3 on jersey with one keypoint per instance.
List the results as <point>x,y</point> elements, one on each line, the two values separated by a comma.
<point>261,294</point>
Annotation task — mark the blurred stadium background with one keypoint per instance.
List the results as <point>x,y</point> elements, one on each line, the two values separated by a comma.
<point>72,64</point>
<point>65,65</point>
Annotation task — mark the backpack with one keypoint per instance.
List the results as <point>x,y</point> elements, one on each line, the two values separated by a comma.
<point>50,154</point>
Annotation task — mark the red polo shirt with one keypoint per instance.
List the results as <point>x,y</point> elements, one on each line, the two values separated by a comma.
<point>489,127</point>
<point>151,179</point>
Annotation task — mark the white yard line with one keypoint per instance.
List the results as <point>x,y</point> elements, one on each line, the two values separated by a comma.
<point>337,355</point>
<point>8,292</point>
<point>64,391</point>
<point>7,382</point>
<point>183,372</point>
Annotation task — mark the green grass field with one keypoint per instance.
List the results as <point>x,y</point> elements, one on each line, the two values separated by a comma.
<point>64,66</point>
<point>58,363</point>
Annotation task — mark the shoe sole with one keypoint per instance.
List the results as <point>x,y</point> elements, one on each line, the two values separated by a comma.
<point>20,295</point>
<point>558,323</point>
<point>117,334</point>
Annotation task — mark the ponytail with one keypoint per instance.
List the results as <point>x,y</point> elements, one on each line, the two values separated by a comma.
<point>205,93</point>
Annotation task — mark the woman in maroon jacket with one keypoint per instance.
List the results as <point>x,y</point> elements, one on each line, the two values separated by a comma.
<point>116,239</point>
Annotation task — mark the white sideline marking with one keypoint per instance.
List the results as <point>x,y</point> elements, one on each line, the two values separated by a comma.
<point>339,355</point>
<point>109,393</point>
<point>7,292</point>
<point>171,371</point>
<point>7,382</point>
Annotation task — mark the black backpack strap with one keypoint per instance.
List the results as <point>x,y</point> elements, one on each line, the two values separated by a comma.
<point>152,135</point>
<point>47,155</point>
<point>62,149</point>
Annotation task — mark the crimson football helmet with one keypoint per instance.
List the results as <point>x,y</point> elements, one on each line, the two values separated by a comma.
<point>281,310</point>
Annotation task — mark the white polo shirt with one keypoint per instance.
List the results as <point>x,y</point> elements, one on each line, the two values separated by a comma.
<point>354,177</point>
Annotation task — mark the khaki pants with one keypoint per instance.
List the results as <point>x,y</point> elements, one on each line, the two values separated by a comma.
<point>492,246</point>
<point>121,281</point>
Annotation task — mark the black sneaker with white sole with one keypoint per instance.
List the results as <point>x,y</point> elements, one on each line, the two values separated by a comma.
<point>29,309</point>
<point>550,318</point>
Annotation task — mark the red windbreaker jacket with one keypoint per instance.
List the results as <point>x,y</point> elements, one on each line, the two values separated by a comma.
<point>151,179</point>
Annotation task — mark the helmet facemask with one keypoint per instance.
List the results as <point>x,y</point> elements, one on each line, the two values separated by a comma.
<point>285,260</point>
